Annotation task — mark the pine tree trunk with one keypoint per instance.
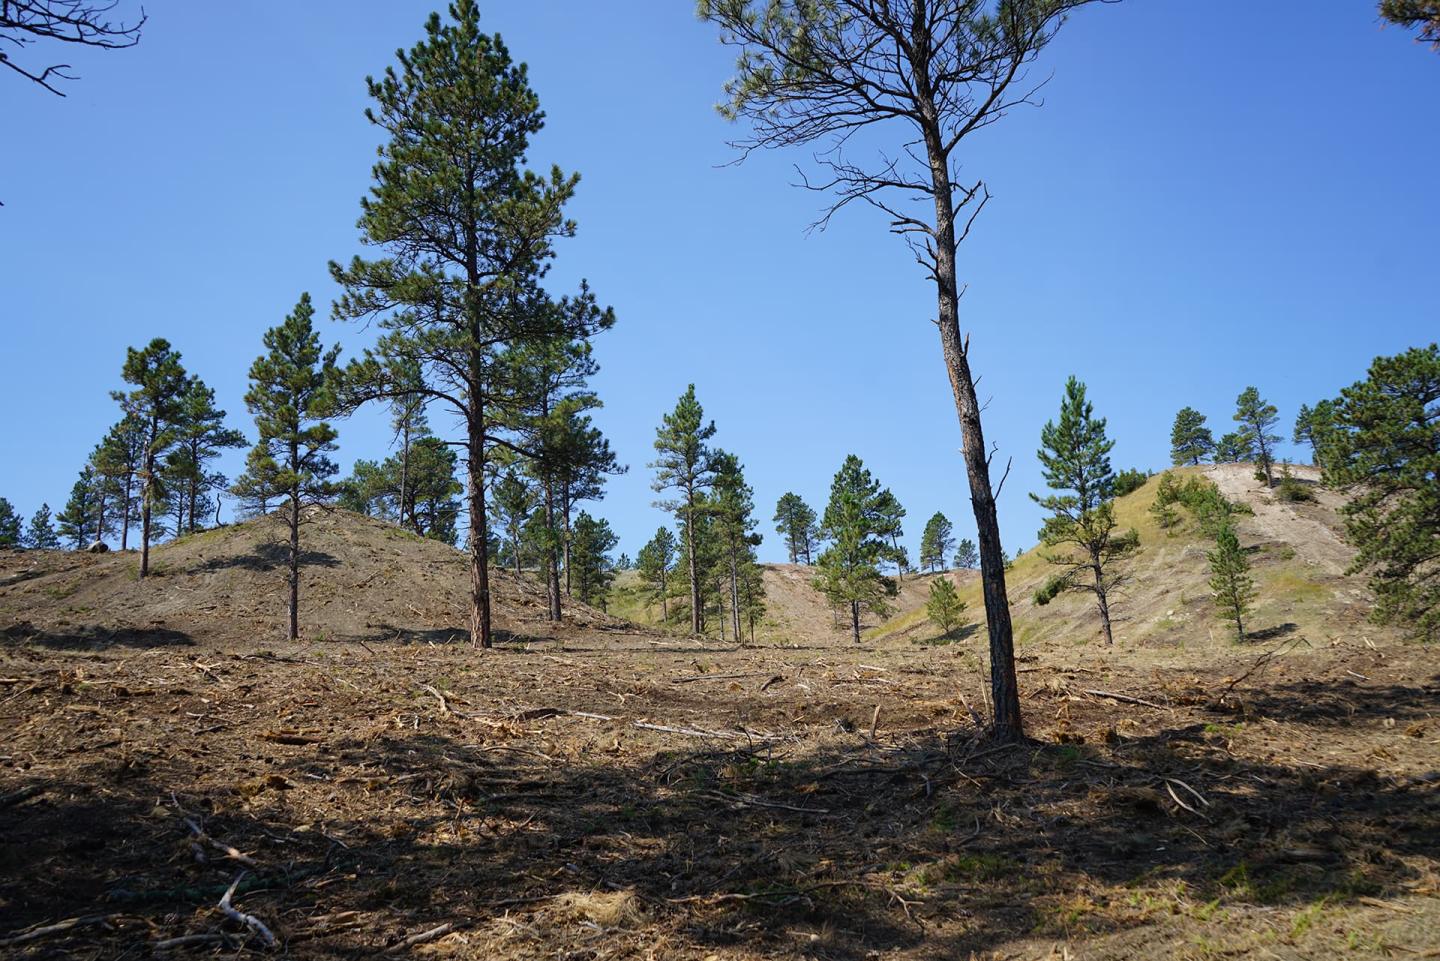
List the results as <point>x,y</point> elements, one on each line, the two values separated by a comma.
<point>294,560</point>
<point>125,511</point>
<point>479,548</point>
<point>734,598</point>
<point>696,623</point>
<point>565,516</point>
<point>100,519</point>
<point>664,599</point>
<point>194,495</point>
<point>552,554</point>
<point>899,564</point>
<point>855,621</point>
<point>1004,688</point>
<point>145,492</point>
<point>405,471</point>
<point>1102,599</point>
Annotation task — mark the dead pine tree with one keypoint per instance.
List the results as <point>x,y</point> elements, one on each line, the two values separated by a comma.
<point>937,71</point>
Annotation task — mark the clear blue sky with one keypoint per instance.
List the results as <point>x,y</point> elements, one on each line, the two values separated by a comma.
<point>1215,194</point>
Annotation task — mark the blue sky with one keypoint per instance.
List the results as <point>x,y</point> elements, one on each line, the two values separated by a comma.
<point>1214,194</point>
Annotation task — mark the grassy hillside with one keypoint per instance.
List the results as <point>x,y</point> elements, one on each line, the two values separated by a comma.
<point>362,578</point>
<point>1296,551</point>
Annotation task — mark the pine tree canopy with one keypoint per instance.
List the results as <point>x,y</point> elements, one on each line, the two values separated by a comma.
<point>1384,448</point>
<point>80,520</point>
<point>10,535</point>
<point>967,555</point>
<point>936,542</point>
<point>40,535</point>
<point>1190,439</point>
<point>796,523</point>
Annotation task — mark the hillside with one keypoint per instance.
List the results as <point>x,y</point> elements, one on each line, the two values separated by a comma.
<point>363,578</point>
<point>795,613</point>
<point>1298,558</point>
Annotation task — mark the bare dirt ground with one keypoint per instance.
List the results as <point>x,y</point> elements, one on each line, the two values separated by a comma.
<point>599,792</point>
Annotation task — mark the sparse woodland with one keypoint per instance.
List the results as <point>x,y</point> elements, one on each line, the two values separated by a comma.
<point>421,705</point>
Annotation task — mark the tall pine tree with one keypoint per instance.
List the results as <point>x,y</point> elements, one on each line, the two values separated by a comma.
<point>854,523</point>
<point>154,404</point>
<point>200,435</point>
<point>1075,458</point>
<point>1257,418</point>
<point>290,394</point>
<point>1384,448</point>
<point>733,505</point>
<point>684,463</point>
<point>468,233</point>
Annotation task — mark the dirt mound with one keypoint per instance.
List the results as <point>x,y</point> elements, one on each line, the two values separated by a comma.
<point>362,578</point>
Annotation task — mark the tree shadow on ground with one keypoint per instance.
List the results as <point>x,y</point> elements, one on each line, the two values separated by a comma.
<point>90,637</point>
<point>1339,703</point>
<point>267,556</point>
<point>928,842</point>
<point>1273,633</point>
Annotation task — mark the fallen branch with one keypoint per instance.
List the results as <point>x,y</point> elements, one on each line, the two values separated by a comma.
<point>249,920</point>
<point>440,930</point>
<point>223,848</point>
<point>1126,698</point>
<point>23,794</point>
<point>59,927</point>
<point>186,939</point>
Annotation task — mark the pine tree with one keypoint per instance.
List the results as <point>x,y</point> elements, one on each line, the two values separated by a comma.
<point>935,543</point>
<point>200,435</point>
<point>1075,457</point>
<point>569,458</point>
<point>966,556</point>
<point>40,535</point>
<point>1190,439</point>
<point>849,569</point>
<point>796,523</point>
<point>656,560</point>
<point>159,381</point>
<point>1230,579</point>
<point>432,497</point>
<point>1234,448</point>
<point>944,607</point>
<point>931,74</point>
<point>80,520</point>
<point>892,517</point>
<point>290,394</point>
<point>685,463</point>
<point>752,594</point>
<point>10,536</point>
<point>1384,448</point>
<point>468,233</point>
<point>119,459</point>
<point>1257,420</point>
<point>594,570</point>
<point>512,501</point>
<point>409,422</point>
<point>1313,425</point>
<point>733,507</point>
